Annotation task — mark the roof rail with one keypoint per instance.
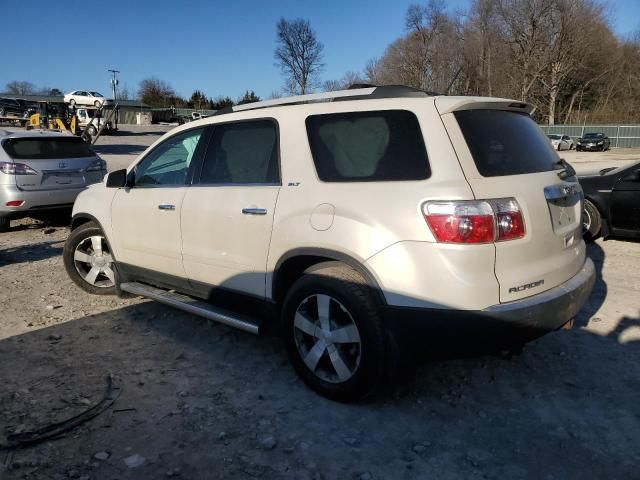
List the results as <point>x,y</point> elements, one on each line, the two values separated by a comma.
<point>386,91</point>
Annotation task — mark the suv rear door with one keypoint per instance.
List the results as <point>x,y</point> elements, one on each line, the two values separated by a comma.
<point>505,155</point>
<point>228,211</point>
<point>56,162</point>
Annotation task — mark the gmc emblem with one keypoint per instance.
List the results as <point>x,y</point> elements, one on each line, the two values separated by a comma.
<point>526,286</point>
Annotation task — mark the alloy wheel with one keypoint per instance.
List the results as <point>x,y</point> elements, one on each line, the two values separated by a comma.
<point>94,262</point>
<point>327,338</point>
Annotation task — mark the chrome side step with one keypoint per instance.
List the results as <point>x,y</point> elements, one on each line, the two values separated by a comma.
<point>191,305</point>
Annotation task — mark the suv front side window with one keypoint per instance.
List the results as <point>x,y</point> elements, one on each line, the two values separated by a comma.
<point>168,163</point>
<point>242,153</point>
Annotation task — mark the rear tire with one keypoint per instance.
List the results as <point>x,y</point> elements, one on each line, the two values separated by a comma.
<point>72,102</point>
<point>96,104</point>
<point>344,366</point>
<point>5,223</point>
<point>88,260</point>
<point>591,221</point>
<point>91,130</point>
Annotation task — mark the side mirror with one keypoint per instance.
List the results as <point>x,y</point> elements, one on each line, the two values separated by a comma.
<point>117,179</point>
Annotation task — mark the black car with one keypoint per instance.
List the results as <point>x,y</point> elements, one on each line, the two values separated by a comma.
<point>10,107</point>
<point>593,142</point>
<point>612,202</point>
<point>28,108</point>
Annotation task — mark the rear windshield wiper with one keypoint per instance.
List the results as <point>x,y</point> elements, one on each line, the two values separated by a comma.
<point>566,170</point>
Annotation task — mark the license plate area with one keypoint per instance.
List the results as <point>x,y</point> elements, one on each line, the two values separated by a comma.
<point>565,210</point>
<point>55,178</point>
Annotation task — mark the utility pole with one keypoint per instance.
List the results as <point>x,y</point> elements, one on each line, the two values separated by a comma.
<point>114,85</point>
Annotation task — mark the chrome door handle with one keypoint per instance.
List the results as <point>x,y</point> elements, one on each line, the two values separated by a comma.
<point>254,211</point>
<point>166,206</point>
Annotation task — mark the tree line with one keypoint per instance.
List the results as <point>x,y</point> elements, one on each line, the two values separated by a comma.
<point>559,55</point>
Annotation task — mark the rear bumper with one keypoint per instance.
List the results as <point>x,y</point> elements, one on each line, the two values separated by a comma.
<point>506,323</point>
<point>35,200</point>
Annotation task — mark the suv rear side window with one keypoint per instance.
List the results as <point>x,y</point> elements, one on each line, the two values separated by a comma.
<point>505,143</point>
<point>47,147</point>
<point>368,146</point>
<point>242,153</point>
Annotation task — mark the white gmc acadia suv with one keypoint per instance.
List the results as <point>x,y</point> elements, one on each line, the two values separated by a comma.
<point>367,221</point>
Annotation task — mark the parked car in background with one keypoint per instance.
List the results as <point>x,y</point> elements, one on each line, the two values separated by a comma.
<point>42,172</point>
<point>561,141</point>
<point>593,142</point>
<point>84,97</point>
<point>11,108</point>
<point>332,219</point>
<point>28,108</point>
<point>92,123</point>
<point>612,202</point>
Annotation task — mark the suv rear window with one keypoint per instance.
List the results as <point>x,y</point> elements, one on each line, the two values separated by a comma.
<point>505,143</point>
<point>368,146</point>
<point>47,147</point>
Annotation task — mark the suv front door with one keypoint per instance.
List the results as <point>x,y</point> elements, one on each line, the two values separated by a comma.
<point>227,214</point>
<point>146,217</point>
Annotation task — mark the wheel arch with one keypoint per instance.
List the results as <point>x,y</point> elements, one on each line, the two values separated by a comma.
<point>81,218</point>
<point>294,263</point>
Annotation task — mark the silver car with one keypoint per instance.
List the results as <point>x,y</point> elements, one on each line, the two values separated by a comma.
<point>43,172</point>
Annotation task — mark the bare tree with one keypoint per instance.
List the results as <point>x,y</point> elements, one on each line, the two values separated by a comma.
<point>20,88</point>
<point>156,92</point>
<point>299,55</point>
<point>348,79</point>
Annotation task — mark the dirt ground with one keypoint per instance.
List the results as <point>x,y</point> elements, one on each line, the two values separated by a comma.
<point>199,400</point>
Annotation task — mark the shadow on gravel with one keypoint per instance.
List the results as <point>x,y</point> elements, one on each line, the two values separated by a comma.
<point>30,252</point>
<point>120,149</point>
<point>200,400</point>
<point>599,293</point>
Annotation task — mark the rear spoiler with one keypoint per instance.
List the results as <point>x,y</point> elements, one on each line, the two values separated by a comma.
<point>454,104</point>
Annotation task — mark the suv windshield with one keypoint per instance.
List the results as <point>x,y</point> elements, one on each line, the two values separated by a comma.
<point>555,137</point>
<point>505,143</point>
<point>593,135</point>
<point>47,147</point>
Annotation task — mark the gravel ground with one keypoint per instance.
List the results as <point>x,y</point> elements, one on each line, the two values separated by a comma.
<point>199,400</point>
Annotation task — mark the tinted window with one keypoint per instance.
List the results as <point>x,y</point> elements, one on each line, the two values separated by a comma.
<point>47,147</point>
<point>368,146</point>
<point>505,143</point>
<point>244,152</point>
<point>169,162</point>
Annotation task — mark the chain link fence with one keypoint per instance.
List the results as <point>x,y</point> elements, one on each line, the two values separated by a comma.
<point>621,136</point>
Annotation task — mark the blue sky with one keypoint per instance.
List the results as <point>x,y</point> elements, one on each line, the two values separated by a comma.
<point>219,47</point>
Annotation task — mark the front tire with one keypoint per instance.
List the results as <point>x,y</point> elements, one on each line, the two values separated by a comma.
<point>333,333</point>
<point>88,260</point>
<point>591,221</point>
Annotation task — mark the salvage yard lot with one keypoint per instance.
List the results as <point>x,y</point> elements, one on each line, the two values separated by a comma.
<point>200,400</point>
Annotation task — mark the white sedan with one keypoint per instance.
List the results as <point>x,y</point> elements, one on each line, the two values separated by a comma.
<point>561,142</point>
<point>84,97</point>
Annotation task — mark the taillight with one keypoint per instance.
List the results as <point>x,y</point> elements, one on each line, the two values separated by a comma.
<point>14,203</point>
<point>11,168</point>
<point>509,221</point>
<point>460,222</point>
<point>483,221</point>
